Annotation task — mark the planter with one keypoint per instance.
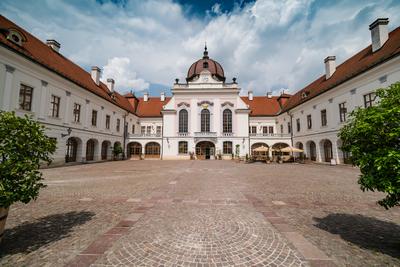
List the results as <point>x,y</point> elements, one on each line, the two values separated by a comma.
<point>3,219</point>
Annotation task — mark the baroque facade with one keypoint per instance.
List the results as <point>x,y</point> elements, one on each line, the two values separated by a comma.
<point>206,115</point>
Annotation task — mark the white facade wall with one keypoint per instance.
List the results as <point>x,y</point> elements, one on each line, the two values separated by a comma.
<point>352,92</point>
<point>16,70</point>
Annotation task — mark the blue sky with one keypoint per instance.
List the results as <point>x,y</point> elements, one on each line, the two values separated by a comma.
<point>269,45</point>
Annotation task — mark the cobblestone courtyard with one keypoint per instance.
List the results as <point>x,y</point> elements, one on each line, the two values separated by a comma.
<point>202,213</point>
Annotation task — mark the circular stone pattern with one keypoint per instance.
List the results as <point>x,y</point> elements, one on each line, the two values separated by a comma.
<point>183,235</point>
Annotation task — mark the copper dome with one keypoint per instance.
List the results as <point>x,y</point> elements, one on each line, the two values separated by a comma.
<point>206,63</point>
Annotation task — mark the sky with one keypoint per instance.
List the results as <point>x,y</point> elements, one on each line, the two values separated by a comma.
<point>269,45</point>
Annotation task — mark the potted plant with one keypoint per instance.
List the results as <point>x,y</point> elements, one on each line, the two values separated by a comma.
<point>117,150</point>
<point>191,153</point>
<point>24,147</point>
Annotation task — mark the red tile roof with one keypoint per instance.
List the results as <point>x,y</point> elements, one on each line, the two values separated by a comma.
<point>151,108</point>
<point>357,64</point>
<point>40,53</point>
<point>262,105</point>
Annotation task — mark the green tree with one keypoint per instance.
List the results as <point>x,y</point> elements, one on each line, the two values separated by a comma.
<point>117,150</point>
<point>23,147</point>
<point>372,136</point>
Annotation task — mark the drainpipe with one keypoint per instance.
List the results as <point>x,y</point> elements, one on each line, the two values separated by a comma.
<point>291,127</point>
<point>162,137</point>
<point>125,135</point>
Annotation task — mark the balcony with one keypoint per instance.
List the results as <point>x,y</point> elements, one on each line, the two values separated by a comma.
<point>269,135</point>
<point>145,135</point>
<point>183,134</point>
<point>227,134</point>
<point>205,134</point>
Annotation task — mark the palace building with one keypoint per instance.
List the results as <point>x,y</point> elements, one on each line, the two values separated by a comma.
<point>206,117</point>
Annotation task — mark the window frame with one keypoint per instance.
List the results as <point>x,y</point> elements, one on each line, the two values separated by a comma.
<point>118,126</point>
<point>77,112</point>
<point>108,120</point>
<point>298,124</point>
<point>227,121</point>
<point>205,118</point>
<point>342,112</point>
<point>23,92</point>
<point>55,102</point>
<point>309,121</point>
<point>371,101</point>
<point>183,121</point>
<point>94,118</point>
<point>227,148</point>
<point>182,147</point>
<point>324,118</point>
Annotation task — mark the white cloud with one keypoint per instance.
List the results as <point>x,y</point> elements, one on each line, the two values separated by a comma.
<point>267,44</point>
<point>120,69</point>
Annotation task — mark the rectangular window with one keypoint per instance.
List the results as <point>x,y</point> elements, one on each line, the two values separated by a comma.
<point>298,124</point>
<point>289,127</point>
<point>133,128</point>
<point>77,112</point>
<point>94,117</point>
<point>227,147</point>
<point>369,100</point>
<point>324,121</point>
<point>55,106</point>
<point>253,130</point>
<point>265,130</point>
<point>342,111</point>
<point>183,147</point>
<point>271,129</point>
<point>158,130</point>
<point>281,128</point>
<point>148,130</point>
<point>25,97</point>
<point>118,124</point>
<point>143,130</point>
<point>108,118</point>
<point>309,122</point>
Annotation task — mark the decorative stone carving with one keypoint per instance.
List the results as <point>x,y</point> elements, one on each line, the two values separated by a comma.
<point>10,69</point>
<point>67,93</point>
<point>183,104</point>
<point>44,83</point>
<point>227,103</point>
<point>205,102</point>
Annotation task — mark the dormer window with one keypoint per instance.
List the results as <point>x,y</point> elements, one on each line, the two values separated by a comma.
<point>16,37</point>
<point>304,94</point>
<point>205,65</point>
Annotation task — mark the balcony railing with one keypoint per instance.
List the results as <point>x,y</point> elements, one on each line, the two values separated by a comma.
<point>205,134</point>
<point>143,135</point>
<point>269,135</point>
<point>183,134</point>
<point>227,134</point>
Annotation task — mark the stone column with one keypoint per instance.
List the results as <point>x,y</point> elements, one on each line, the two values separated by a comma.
<point>8,88</point>
<point>87,114</point>
<point>318,150</point>
<point>67,107</point>
<point>43,101</point>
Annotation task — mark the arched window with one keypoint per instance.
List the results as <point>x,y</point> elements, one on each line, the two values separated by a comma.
<point>205,64</point>
<point>183,121</point>
<point>183,147</point>
<point>205,120</point>
<point>227,121</point>
<point>227,147</point>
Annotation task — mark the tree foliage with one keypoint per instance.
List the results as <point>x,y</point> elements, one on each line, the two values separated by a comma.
<point>372,136</point>
<point>23,147</point>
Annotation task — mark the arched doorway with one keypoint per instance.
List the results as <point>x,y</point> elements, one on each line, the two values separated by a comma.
<point>72,150</point>
<point>256,145</point>
<point>276,150</point>
<point>205,150</point>
<point>105,147</point>
<point>152,150</point>
<point>90,147</point>
<point>328,153</point>
<point>134,150</point>
<point>343,155</point>
<point>313,151</point>
<point>299,145</point>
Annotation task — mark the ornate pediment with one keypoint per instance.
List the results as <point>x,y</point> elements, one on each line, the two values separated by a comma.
<point>183,104</point>
<point>227,103</point>
<point>205,103</point>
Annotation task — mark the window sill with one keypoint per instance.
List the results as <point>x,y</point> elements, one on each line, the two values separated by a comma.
<point>25,111</point>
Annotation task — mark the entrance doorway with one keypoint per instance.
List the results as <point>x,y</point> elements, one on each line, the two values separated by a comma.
<point>205,150</point>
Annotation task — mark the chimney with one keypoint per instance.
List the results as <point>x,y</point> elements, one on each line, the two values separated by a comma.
<point>146,97</point>
<point>250,95</point>
<point>53,44</point>
<point>330,66</point>
<point>269,94</point>
<point>110,84</point>
<point>162,97</point>
<point>96,74</point>
<point>282,99</point>
<point>379,33</point>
